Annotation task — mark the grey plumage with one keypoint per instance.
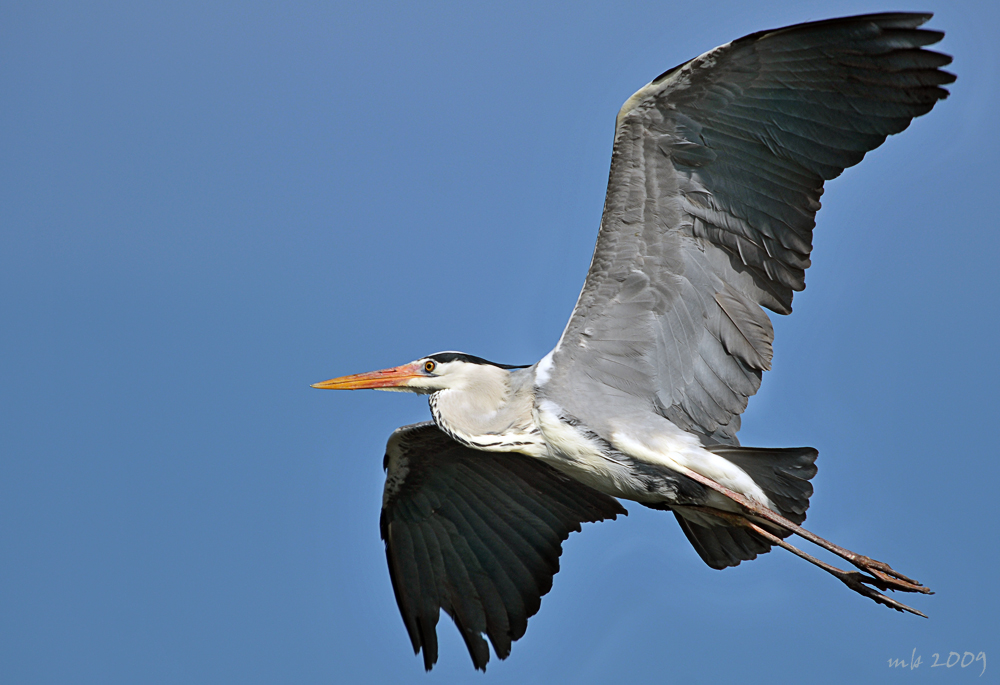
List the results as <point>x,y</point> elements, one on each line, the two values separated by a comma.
<point>716,175</point>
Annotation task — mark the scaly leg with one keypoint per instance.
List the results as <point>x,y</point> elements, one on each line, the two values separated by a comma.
<point>884,577</point>
<point>856,581</point>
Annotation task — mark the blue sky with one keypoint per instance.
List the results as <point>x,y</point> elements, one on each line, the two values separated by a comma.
<point>209,206</point>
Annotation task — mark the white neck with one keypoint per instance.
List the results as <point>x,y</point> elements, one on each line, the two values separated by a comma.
<point>489,409</point>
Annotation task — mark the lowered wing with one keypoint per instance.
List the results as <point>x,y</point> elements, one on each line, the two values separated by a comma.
<point>716,175</point>
<point>477,534</point>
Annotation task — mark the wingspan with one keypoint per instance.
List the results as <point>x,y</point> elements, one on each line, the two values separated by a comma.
<point>716,175</point>
<point>478,534</point>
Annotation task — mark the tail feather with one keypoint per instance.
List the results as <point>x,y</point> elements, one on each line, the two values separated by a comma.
<point>783,474</point>
<point>722,546</point>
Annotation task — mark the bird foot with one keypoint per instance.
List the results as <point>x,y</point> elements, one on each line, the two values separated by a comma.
<point>884,577</point>
<point>877,574</point>
<point>859,582</point>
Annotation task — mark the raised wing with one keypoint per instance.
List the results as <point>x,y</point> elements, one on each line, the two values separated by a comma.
<point>477,534</point>
<point>716,176</point>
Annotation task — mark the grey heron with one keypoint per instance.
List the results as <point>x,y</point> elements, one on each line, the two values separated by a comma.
<point>716,174</point>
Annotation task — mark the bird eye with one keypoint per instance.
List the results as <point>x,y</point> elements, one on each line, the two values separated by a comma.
<point>429,366</point>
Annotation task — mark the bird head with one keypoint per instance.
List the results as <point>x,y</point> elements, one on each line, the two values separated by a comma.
<point>430,374</point>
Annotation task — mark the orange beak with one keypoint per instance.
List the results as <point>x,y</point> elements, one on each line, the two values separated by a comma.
<point>395,377</point>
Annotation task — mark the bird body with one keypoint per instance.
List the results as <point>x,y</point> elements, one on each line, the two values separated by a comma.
<point>716,174</point>
<point>640,456</point>
<point>635,444</point>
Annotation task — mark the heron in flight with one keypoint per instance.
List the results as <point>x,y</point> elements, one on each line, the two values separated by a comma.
<point>716,174</point>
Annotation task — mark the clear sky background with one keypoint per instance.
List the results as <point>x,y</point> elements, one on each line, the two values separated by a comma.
<point>207,206</point>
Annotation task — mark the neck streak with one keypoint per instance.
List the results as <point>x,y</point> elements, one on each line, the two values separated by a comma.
<point>494,415</point>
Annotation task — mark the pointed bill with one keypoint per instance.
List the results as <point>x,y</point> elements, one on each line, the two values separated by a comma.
<point>396,377</point>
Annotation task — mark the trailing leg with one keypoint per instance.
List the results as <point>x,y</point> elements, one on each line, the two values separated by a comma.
<point>859,582</point>
<point>882,575</point>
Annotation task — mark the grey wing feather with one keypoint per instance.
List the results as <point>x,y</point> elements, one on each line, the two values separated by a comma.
<point>716,175</point>
<point>477,534</point>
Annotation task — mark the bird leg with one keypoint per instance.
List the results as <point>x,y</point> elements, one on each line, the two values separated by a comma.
<point>856,581</point>
<point>881,576</point>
